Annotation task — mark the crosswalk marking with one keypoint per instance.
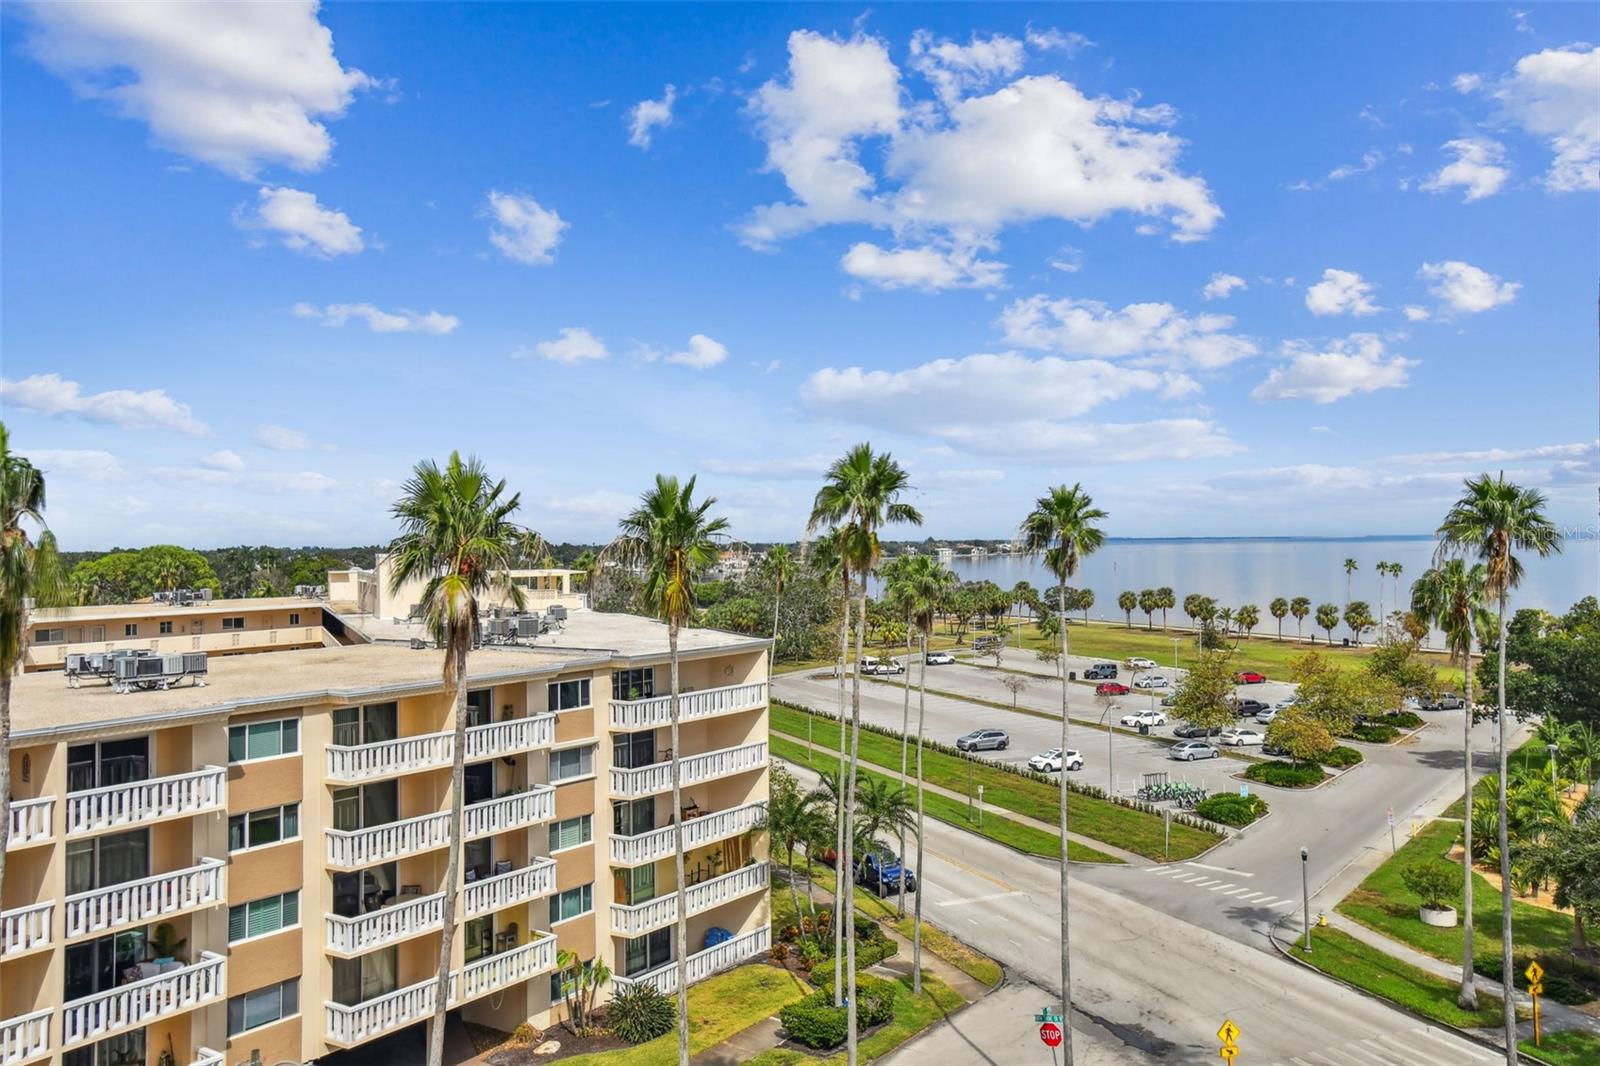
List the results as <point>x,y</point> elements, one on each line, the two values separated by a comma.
<point>1409,1047</point>
<point>1219,888</point>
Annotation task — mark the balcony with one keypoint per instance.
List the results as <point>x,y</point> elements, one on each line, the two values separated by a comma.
<point>142,1002</point>
<point>25,929</point>
<point>702,964</point>
<point>431,751</point>
<point>354,848</point>
<point>641,918</point>
<point>32,822</point>
<point>536,879</point>
<point>517,810</point>
<point>348,1026</point>
<point>706,703</point>
<point>402,919</point>
<point>206,1057</point>
<point>104,910</point>
<point>694,769</point>
<point>143,802</point>
<point>26,1038</point>
<point>707,829</point>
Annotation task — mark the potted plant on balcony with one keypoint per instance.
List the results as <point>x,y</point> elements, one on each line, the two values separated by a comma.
<point>1433,883</point>
<point>165,943</point>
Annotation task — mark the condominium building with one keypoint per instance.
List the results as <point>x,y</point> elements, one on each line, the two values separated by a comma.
<point>371,592</point>
<point>252,870</point>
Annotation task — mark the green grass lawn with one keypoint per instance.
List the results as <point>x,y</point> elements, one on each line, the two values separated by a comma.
<point>1002,830</point>
<point>1098,819</point>
<point>1570,1048</point>
<point>912,1014</point>
<point>1341,955</point>
<point>968,960</point>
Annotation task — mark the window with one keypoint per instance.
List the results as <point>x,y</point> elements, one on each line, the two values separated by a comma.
<point>571,903</point>
<point>571,832</point>
<point>263,1006</point>
<point>573,762</point>
<point>262,916</point>
<point>632,817</point>
<point>480,707</point>
<point>565,981</point>
<point>365,806</point>
<point>633,684</point>
<point>109,762</point>
<point>370,724</point>
<point>49,636</point>
<point>113,859</point>
<point>124,1049</point>
<point>257,829</point>
<point>633,886</point>
<point>263,740</point>
<point>567,695</point>
<point>630,751</point>
<point>480,938</point>
<point>166,628</point>
<point>233,623</point>
<point>645,953</point>
<point>366,976</point>
<point>130,629</point>
<point>97,965</point>
<point>363,891</point>
<point>294,618</point>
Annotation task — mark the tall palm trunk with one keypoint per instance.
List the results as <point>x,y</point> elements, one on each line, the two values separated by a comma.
<point>848,861</point>
<point>1066,961</point>
<point>777,601</point>
<point>839,896</point>
<point>677,853</point>
<point>905,723</point>
<point>1468,997</point>
<point>1507,973</point>
<point>922,714</point>
<point>460,641</point>
<point>5,769</point>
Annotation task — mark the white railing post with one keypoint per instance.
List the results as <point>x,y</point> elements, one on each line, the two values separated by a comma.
<point>386,925</point>
<point>140,1002</point>
<point>654,711</point>
<point>536,879</point>
<point>355,848</point>
<point>31,821</point>
<point>25,928</point>
<point>519,809</point>
<point>103,909</point>
<point>145,801</point>
<point>26,1037</point>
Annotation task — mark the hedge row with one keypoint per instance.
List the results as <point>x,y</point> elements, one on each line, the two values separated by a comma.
<point>817,1023</point>
<point>1285,774</point>
<point>1230,808</point>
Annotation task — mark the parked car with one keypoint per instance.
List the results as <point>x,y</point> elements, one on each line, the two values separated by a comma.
<point>987,643</point>
<point>1169,699</point>
<point>881,871</point>
<point>1100,672</point>
<point>1445,701</point>
<point>1273,749</point>
<point>1239,738</point>
<point>1285,703</point>
<point>1139,662</point>
<point>1192,732</point>
<point>1138,718</point>
<point>939,658</point>
<point>1111,688</point>
<point>1150,681</point>
<point>1246,708</point>
<point>983,740</point>
<point>1190,750</point>
<point>1268,716</point>
<point>869,665</point>
<point>1250,677</point>
<point>1051,761</point>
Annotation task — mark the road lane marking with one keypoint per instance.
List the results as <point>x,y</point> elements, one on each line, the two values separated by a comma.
<point>1266,901</point>
<point>1219,869</point>
<point>1455,1046</point>
<point>976,899</point>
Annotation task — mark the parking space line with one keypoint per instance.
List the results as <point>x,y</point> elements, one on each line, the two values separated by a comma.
<point>1219,888</point>
<point>1265,901</point>
<point>1235,892</point>
<point>1251,896</point>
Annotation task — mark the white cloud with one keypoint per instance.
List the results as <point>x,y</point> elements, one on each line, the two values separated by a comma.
<point>646,115</point>
<point>524,231</point>
<point>236,86</point>
<point>1574,450</point>
<point>926,268</point>
<point>1343,368</point>
<point>703,353</point>
<point>89,464</point>
<point>1369,161</point>
<point>224,460</point>
<point>1479,168</point>
<point>574,345</point>
<point>1414,313</point>
<point>956,69</point>
<point>1154,330</point>
<point>281,438</point>
<point>1465,288</point>
<point>968,476</point>
<point>1054,40</point>
<point>302,224</point>
<point>51,394</point>
<point>1221,286</point>
<point>598,504</point>
<point>1069,260</point>
<point>298,481</point>
<point>1551,94</point>
<point>377,320</point>
<point>798,468</point>
<point>1341,292</point>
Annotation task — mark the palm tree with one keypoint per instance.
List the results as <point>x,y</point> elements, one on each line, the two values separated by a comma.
<point>1149,605</point>
<point>1128,601</point>
<point>882,810</point>
<point>1300,606</point>
<point>1085,601</point>
<point>588,565</point>
<point>780,564</point>
<point>1225,616</point>
<point>1492,520</point>
<point>1166,599</point>
<point>1327,618</point>
<point>1278,608</point>
<point>1395,570</point>
<point>1451,596</point>
<point>859,495</point>
<point>457,535</point>
<point>1023,594</point>
<point>1350,567</point>
<point>1248,617</point>
<point>672,538</point>
<point>30,570</point>
<point>1382,568</point>
<point>826,556</point>
<point>789,818</point>
<point>1064,524</point>
<point>894,592</point>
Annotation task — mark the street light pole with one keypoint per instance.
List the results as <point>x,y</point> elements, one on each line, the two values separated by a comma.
<point>1174,655</point>
<point>1305,891</point>
<point>1552,750</point>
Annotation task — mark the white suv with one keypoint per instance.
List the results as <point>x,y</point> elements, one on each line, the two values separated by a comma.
<point>1150,681</point>
<point>1139,663</point>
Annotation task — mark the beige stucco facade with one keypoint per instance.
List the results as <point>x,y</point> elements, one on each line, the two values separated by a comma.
<point>216,627</point>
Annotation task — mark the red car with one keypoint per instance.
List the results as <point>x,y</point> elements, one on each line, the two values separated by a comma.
<point>1250,677</point>
<point>1111,688</point>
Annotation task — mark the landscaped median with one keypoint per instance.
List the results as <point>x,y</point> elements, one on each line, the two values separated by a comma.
<point>1136,830</point>
<point>1342,956</point>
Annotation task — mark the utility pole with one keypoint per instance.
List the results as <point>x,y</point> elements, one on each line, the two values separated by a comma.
<point>1305,891</point>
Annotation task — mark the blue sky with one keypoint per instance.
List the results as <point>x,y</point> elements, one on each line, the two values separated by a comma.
<point>1239,269</point>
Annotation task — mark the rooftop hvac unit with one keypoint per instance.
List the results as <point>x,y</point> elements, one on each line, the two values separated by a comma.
<point>205,596</point>
<point>528,625</point>
<point>146,672</point>
<point>497,628</point>
<point>557,613</point>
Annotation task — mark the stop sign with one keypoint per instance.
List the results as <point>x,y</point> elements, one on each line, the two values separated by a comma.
<point>1050,1033</point>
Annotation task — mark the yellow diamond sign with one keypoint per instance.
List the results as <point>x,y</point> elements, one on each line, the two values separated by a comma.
<point>1534,973</point>
<point>1229,1032</point>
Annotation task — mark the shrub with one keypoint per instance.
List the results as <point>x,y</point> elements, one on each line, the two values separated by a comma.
<point>1567,980</point>
<point>788,934</point>
<point>1403,719</point>
<point>869,952</point>
<point>817,1023</point>
<point>639,1013</point>
<point>1285,775</point>
<point>1343,755</point>
<point>1232,809</point>
<point>1374,732</point>
<point>780,951</point>
<point>1432,882</point>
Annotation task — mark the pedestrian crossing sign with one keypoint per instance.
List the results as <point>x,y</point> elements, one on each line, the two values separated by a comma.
<point>1534,973</point>
<point>1229,1032</point>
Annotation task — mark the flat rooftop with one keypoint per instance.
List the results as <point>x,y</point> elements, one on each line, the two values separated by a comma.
<point>42,703</point>
<point>145,608</point>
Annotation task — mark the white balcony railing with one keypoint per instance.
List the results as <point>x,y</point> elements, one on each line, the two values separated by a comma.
<point>116,806</point>
<point>347,1026</point>
<point>658,843</point>
<point>516,811</point>
<point>102,910</point>
<point>25,929</point>
<point>536,879</point>
<point>142,1002</point>
<point>641,918</point>
<point>26,1038</point>
<point>411,916</point>
<point>706,703</point>
<point>351,849</point>
<point>387,758</point>
<point>206,1057</point>
<point>31,823</point>
<point>702,964</point>
<point>693,769</point>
